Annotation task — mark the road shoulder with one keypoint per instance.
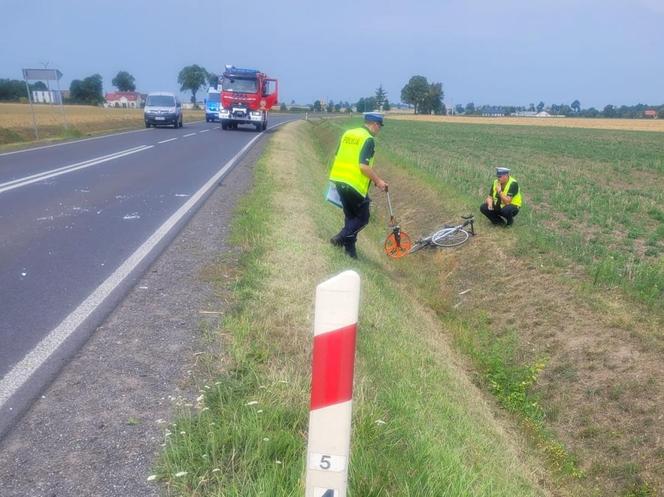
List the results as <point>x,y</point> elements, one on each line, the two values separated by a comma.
<point>98,427</point>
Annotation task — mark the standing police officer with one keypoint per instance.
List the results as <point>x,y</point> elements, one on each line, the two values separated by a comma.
<point>352,172</point>
<point>504,199</point>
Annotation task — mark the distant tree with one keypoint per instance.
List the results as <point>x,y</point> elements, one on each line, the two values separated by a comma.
<point>213,79</point>
<point>540,106</point>
<point>386,105</point>
<point>576,106</point>
<point>283,107</point>
<point>565,110</point>
<point>660,112</point>
<point>337,107</point>
<point>416,92</point>
<point>87,91</point>
<point>12,90</point>
<point>330,106</point>
<point>459,109</point>
<point>434,101</point>
<point>609,111</point>
<point>124,81</point>
<point>381,97</point>
<point>317,106</point>
<point>192,78</point>
<point>531,108</point>
<point>592,112</point>
<point>555,109</point>
<point>38,86</point>
<point>470,108</point>
<point>360,105</point>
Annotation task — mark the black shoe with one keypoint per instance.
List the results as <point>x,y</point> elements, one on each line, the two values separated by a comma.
<point>337,240</point>
<point>351,252</point>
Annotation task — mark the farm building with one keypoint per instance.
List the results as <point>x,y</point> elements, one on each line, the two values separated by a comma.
<point>127,99</point>
<point>650,113</point>
<point>493,111</point>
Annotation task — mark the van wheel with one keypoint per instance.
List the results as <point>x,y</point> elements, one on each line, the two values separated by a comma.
<point>181,124</point>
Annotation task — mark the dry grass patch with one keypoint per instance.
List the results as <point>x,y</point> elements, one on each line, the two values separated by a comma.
<point>16,121</point>
<point>656,125</point>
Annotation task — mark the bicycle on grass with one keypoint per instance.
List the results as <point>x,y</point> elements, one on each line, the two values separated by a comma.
<point>447,236</point>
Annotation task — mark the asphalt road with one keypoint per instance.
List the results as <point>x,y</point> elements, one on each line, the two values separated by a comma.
<point>79,223</point>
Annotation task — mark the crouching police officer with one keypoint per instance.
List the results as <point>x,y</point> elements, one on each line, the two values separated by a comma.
<point>352,172</point>
<point>504,199</point>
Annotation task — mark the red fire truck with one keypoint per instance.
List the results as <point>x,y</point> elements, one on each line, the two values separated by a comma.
<point>246,97</point>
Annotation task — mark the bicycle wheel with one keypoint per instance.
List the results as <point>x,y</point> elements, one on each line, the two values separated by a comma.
<point>449,237</point>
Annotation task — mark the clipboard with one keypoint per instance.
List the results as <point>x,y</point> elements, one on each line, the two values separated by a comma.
<point>332,195</point>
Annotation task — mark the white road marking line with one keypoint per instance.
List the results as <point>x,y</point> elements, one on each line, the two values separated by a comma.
<point>188,134</point>
<point>166,141</point>
<point>18,183</point>
<point>204,131</point>
<point>27,366</point>
<point>44,173</point>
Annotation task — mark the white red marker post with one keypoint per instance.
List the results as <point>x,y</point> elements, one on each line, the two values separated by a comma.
<point>335,327</point>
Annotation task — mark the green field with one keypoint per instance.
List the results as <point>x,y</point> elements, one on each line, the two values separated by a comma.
<point>593,197</point>
<point>527,362</point>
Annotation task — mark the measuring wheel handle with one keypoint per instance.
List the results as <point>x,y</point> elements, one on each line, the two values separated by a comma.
<point>397,244</point>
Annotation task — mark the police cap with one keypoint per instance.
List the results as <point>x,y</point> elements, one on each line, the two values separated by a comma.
<point>374,117</point>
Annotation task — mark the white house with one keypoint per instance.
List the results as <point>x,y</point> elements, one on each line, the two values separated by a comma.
<point>126,99</point>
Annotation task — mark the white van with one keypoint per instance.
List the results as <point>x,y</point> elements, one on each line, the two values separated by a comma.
<point>162,108</point>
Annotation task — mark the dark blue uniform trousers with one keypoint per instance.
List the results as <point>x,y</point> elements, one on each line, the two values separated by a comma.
<point>500,215</point>
<point>356,216</point>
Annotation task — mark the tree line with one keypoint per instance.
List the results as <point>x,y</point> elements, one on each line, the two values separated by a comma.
<point>90,90</point>
<point>425,97</point>
<point>572,110</point>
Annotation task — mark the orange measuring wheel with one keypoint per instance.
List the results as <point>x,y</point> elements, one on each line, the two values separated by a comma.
<point>397,243</point>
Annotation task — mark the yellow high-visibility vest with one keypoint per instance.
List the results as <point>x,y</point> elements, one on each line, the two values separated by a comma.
<point>346,166</point>
<point>516,199</point>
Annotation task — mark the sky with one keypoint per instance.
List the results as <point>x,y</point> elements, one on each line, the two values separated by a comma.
<point>500,52</point>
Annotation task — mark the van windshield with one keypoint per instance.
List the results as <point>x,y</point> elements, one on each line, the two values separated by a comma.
<point>239,85</point>
<point>160,101</point>
<point>213,97</point>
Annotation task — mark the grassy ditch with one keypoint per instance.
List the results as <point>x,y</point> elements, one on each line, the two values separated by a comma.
<point>579,365</point>
<point>421,428</point>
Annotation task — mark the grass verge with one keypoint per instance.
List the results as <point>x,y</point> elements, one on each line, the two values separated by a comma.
<point>421,428</point>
